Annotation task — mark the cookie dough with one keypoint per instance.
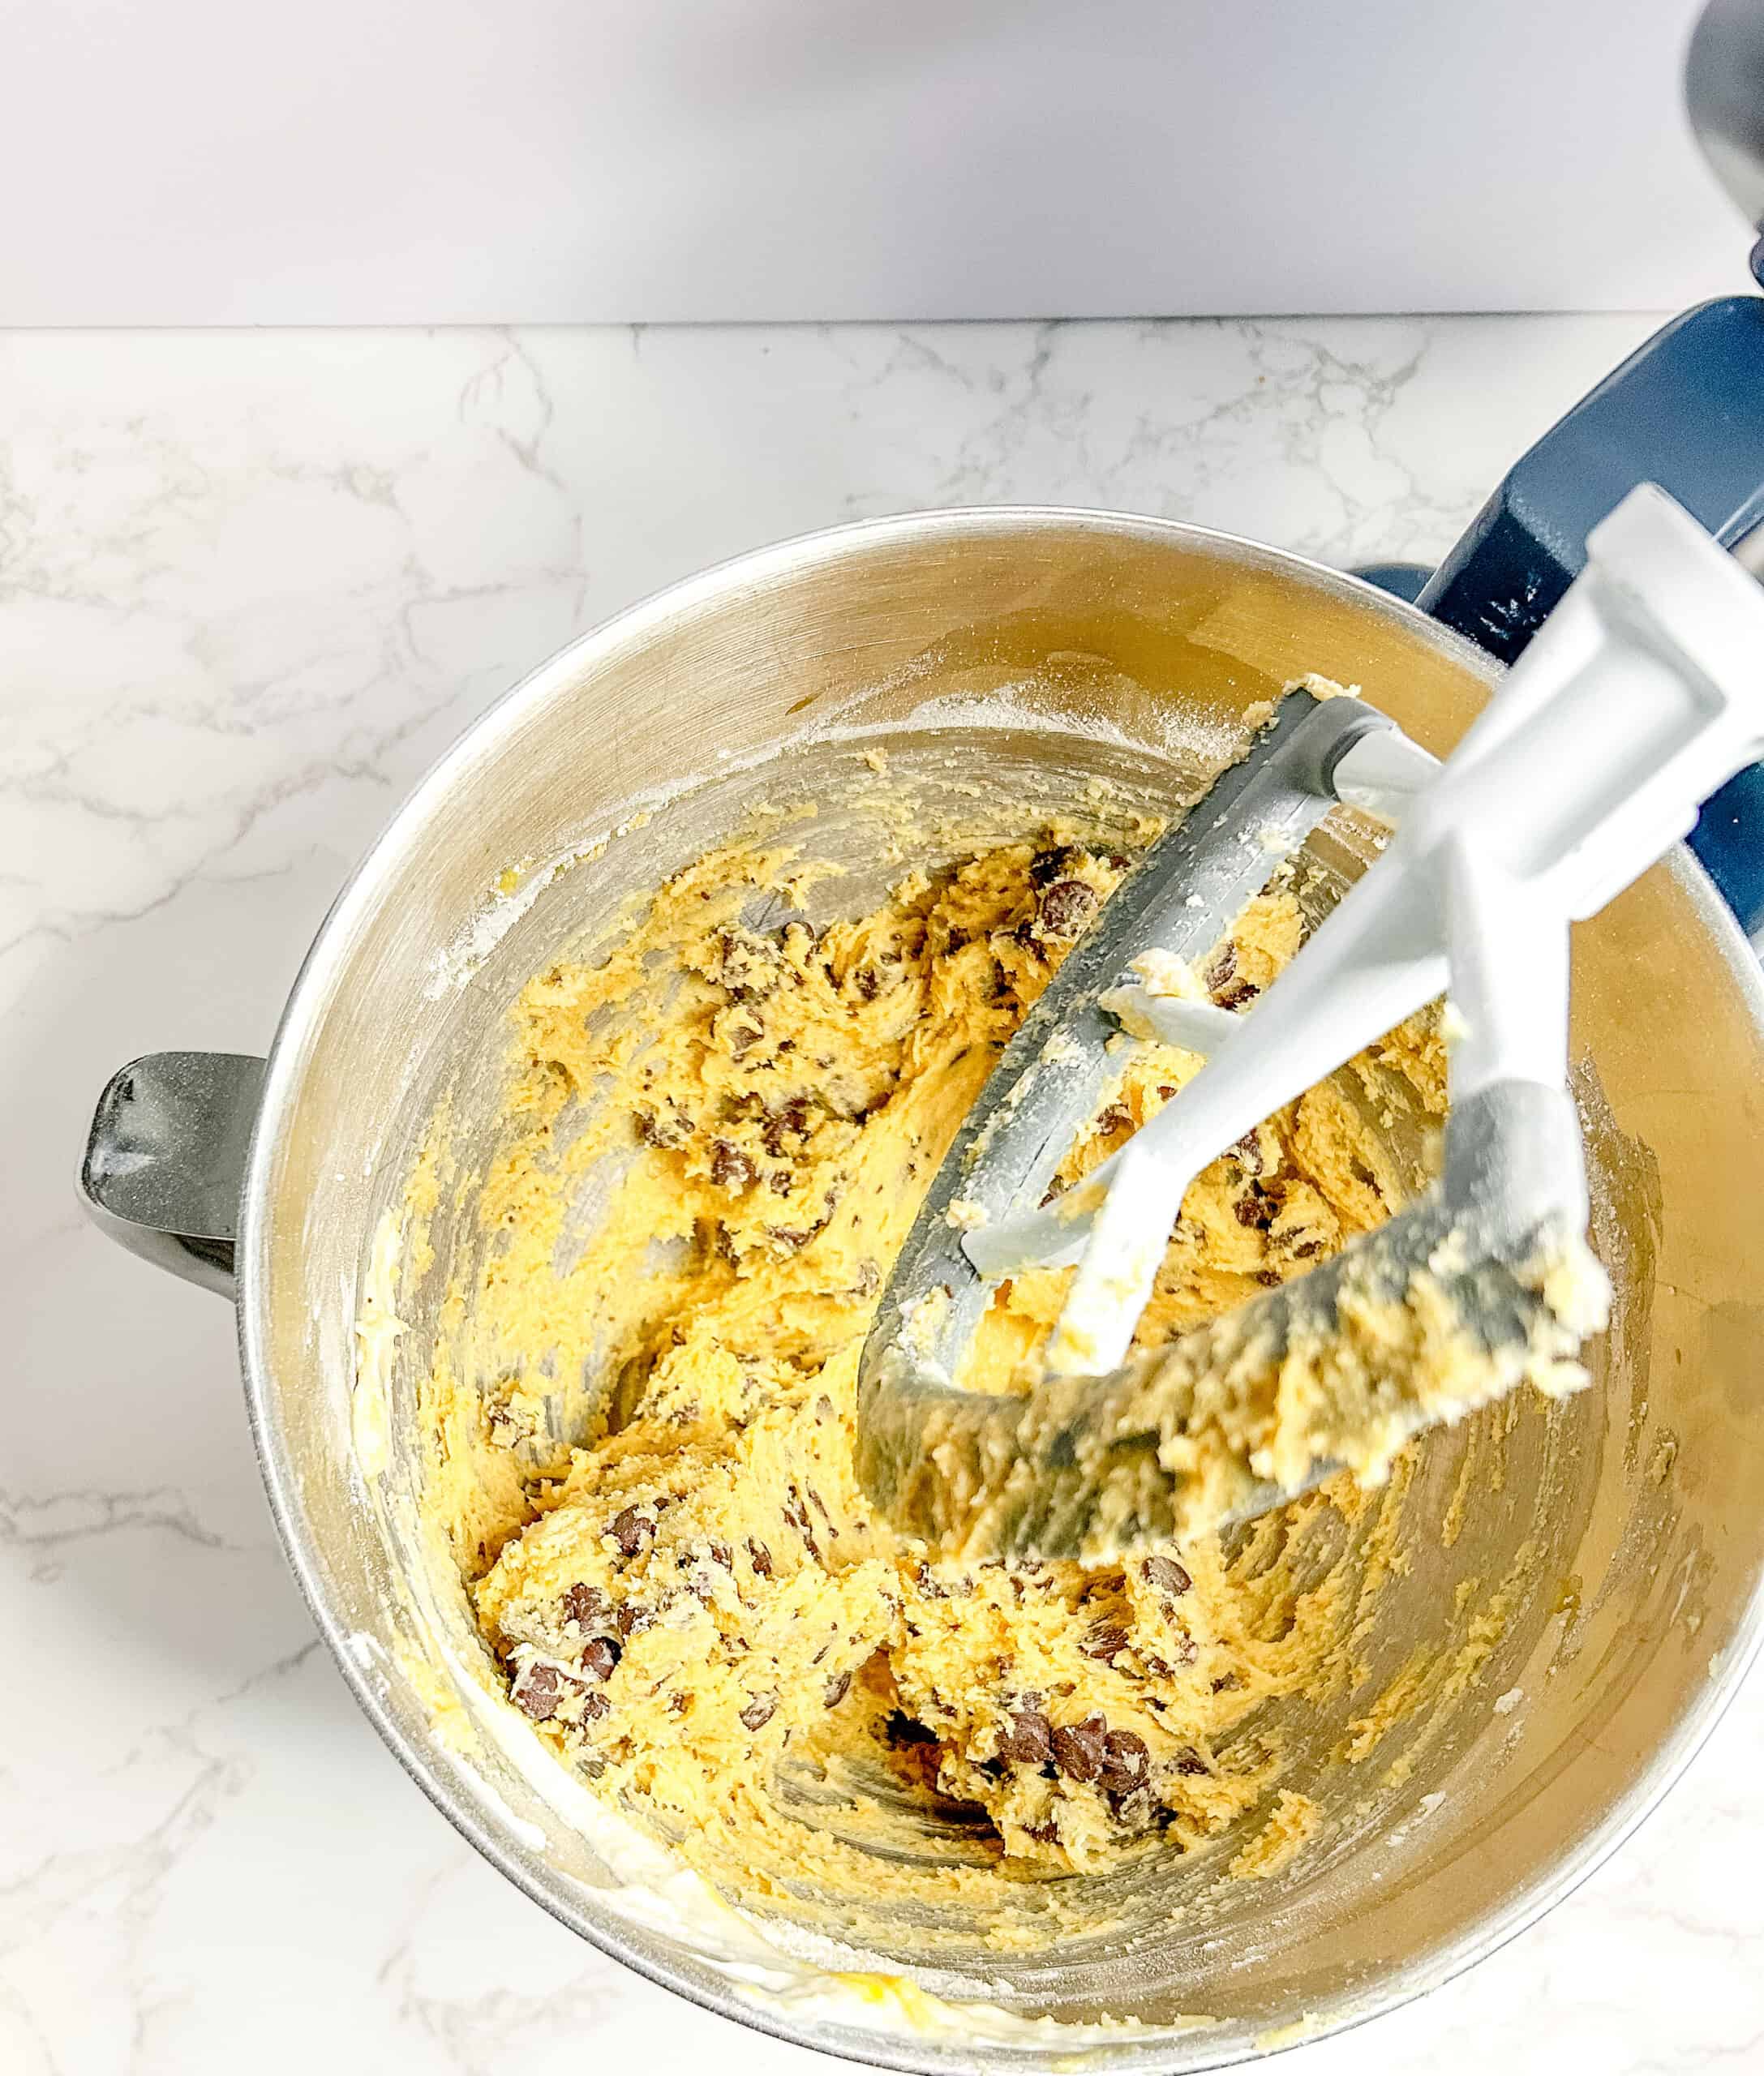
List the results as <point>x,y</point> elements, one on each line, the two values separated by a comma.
<point>717,1138</point>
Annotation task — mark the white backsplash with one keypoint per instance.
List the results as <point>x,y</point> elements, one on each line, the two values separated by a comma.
<point>375,162</point>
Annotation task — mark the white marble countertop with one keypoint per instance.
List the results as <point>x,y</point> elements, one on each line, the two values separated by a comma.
<point>250,586</point>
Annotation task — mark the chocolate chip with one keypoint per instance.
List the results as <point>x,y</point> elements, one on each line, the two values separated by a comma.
<point>1304,1250</point>
<point>901,1729</point>
<point>837,1688</point>
<point>1118,1118</point>
<point>633,1618</point>
<point>759,1558</point>
<point>789,1120</point>
<point>721,1554</point>
<point>663,1128</point>
<point>759,1711</point>
<point>1167,1576</point>
<point>1165,1091</point>
<point>730,1168</point>
<point>1126,1761</point>
<point>1236,996</point>
<point>1191,1763</point>
<point>631,1530</point>
<point>535,1689</point>
<point>1254,1209</point>
<point>1221,968</point>
<point>1104,1641</point>
<point>1052,863</point>
<point>600,1656</point>
<point>797,1516</point>
<point>1080,1747</point>
<point>1066,907</point>
<point>787,1237</point>
<point>1029,1741</point>
<point>1226,1683</point>
<point>584,1605</point>
<point>1248,1151</point>
<point>595,1706</point>
<point>1043,1834</point>
<point>869,983</point>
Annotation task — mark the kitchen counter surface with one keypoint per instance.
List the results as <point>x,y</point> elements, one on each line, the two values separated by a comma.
<point>250,584</point>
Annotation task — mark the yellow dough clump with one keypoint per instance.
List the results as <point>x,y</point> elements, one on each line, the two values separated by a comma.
<point>640,1416</point>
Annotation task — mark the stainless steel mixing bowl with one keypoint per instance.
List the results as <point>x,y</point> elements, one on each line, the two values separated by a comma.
<point>1081,643</point>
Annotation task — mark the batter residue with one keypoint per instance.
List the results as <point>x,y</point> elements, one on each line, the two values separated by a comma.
<point>718,1136</point>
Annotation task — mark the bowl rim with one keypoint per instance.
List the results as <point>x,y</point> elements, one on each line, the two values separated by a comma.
<point>1174,2053</point>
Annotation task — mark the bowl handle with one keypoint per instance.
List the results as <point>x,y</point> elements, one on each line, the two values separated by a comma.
<point>166,1159</point>
<point>1685,411</point>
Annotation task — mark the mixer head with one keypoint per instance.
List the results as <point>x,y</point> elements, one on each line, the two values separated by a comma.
<point>1641,696</point>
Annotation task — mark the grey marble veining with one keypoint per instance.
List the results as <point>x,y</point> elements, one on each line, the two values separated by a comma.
<point>250,584</point>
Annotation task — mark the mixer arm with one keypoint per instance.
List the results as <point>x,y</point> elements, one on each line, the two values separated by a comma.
<point>1685,411</point>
